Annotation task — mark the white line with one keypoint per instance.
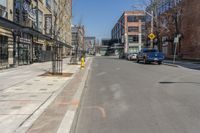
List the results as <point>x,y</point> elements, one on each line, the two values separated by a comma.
<point>66,122</point>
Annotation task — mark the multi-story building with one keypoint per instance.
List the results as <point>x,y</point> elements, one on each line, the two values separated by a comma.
<point>29,29</point>
<point>6,35</point>
<point>177,27</point>
<point>78,34</point>
<point>129,30</point>
<point>90,45</point>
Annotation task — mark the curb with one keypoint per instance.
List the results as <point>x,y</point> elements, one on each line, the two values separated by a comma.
<point>68,124</point>
<point>169,64</point>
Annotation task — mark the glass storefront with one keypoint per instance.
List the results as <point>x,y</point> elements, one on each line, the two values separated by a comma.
<point>3,50</point>
<point>23,54</point>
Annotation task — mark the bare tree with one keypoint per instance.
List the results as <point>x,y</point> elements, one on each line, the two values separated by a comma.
<point>59,19</point>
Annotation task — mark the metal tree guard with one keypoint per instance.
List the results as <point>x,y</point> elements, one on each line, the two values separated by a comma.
<point>57,61</point>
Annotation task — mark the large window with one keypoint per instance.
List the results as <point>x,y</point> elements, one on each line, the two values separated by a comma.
<point>133,18</point>
<point>48,4</point>
<point>3,3</point>
<point>133,29</point>
<point>3,50</point>
<point>40,18</point>
<point>133,38</point>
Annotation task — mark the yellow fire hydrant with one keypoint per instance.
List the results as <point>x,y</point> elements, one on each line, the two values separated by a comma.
<point>82,63</point>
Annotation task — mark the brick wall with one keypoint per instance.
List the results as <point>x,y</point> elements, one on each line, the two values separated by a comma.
<point>190,44</point>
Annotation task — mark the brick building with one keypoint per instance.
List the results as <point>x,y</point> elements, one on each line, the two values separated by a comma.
<point>177,24</point>
<point>129,30</point>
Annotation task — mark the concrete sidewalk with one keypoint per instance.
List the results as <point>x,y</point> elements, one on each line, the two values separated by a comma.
<point>185,64</point>
<point>22,103</point>
<point>61,114</point>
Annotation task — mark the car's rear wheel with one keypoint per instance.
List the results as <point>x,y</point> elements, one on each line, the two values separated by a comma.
<point>159,62</point>
<point>137,60</point>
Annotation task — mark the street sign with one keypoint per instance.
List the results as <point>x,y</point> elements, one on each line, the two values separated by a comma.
<point>151,36</point>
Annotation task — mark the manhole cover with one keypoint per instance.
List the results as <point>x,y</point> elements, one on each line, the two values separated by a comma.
<point>43,89</point>
<point>16,107</point>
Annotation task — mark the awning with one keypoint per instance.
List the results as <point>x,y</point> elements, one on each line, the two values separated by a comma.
<point>12,25</point>
<point>36,33</point>
<point>9,24</point>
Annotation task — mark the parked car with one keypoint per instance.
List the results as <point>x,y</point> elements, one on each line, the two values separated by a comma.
<point>132,56</point>
<point>150,55</point>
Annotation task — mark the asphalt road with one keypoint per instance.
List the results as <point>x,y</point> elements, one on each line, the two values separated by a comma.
<point>125,97</point>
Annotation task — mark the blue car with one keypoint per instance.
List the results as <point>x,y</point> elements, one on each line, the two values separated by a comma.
<point>150,55</point>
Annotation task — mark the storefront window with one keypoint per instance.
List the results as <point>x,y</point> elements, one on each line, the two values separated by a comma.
<point>3,50</point>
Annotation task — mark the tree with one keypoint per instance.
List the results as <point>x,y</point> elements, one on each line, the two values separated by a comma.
<point>59,22</point>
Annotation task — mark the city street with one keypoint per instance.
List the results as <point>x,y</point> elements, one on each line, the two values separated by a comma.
<point>126,97</point>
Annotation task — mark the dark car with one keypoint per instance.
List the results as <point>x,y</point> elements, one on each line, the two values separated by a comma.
<point>150,55</point>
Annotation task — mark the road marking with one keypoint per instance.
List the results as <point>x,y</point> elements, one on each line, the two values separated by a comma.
<point>99,108</point>
<point>66,123</point>
<point>72,102</point>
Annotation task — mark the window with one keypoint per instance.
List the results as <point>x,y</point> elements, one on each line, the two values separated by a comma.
<point>3,50</point>
<point>3,3</point>
<point>135,18</point>
<point>133,29</point>
<point>131,19</point>
<point>48,4</point>
<point>133,38</point>
<point>40,19</point>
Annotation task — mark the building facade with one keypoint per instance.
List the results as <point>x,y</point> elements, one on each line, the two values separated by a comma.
<point>129,30</point>
<point>177,27</point>
<point>90,45</point>
<point>29,29</point>
<point>78,35</point>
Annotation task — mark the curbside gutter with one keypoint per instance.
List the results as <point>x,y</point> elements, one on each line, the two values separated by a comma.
<point>68,124</point>
<point>169,64</point>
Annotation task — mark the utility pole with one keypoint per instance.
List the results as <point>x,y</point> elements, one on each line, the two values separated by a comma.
<point>152,29</point>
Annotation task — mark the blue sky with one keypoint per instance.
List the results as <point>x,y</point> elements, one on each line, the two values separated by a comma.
<point>99,16</point>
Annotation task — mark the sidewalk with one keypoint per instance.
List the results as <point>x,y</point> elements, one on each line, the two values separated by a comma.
<point>186,64</point>
<point>23,103</point>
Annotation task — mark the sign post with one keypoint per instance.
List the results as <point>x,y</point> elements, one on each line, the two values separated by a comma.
<point>151,36</point>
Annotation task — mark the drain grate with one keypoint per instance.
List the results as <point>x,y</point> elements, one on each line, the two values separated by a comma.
<point>49,84</point>
<point>33,96</point>
<point>16,107</point>
<point>18,89</point>
<point>4,95</point>
<point>43,89</point>
<point>28,84</point>
<point>166,82</point>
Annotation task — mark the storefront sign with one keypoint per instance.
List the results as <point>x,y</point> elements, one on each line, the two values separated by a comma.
<point>25,40</point>
<point>48,24</point>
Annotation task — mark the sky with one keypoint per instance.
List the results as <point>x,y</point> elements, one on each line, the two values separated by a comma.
<point>99,16</point>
